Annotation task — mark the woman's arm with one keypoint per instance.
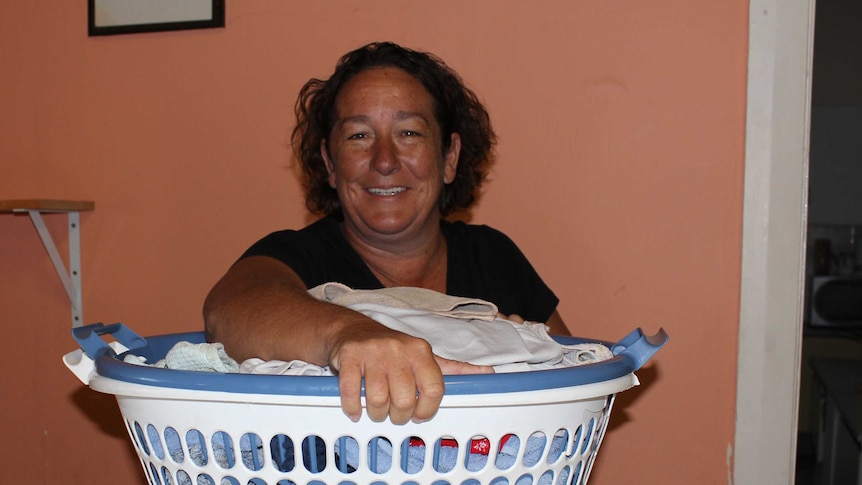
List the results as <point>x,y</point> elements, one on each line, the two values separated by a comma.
<point>261,308</point>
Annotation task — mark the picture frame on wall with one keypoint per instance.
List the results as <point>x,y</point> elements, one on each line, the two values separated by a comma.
<point>111,17</point>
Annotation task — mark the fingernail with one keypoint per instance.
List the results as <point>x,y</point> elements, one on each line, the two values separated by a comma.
<point>353,417</point>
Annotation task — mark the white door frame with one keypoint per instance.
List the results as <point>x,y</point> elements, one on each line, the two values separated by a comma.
<point>781,34</point>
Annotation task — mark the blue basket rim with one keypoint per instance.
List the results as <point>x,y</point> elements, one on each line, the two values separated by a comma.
<point>112,366</point>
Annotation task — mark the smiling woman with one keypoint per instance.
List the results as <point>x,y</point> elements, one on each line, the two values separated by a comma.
<point>390,144</point>
<point>388,166</point>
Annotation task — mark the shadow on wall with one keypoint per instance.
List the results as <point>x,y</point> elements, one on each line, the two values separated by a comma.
<point>647,376</point>
<point>103,411</point>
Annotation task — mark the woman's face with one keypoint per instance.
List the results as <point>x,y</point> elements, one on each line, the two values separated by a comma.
<point>384,155</point>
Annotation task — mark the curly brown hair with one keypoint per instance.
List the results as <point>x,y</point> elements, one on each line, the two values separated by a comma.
<point>457,109</point>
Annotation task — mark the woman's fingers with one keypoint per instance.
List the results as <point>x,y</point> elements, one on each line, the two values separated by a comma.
<point>453,367</point>
<point>429,391</point>
<point>350,388</point>
<point>403,378</point>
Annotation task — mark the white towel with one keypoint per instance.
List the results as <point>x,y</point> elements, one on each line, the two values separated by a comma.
<point>205,357</point>
<point>282,368</point>
<point>479,342</point>
<point>408,297</point>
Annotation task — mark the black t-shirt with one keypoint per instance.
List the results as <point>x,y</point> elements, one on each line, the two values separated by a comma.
<point>482,263</point>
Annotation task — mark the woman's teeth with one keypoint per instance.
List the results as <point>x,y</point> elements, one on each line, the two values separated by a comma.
<point>392,191</point>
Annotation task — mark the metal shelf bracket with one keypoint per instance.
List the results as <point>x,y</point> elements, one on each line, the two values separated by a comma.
<point>70,277</point>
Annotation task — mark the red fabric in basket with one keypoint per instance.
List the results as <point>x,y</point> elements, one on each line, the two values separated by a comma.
<point>477,447</point>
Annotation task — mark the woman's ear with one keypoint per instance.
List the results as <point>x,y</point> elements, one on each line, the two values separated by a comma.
<point>450,159</point>
<point>330,167</point>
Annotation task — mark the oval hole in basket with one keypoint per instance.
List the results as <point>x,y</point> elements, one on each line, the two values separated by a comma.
<point>471,481</point>
<point>197,447</point>
<point>228,480</point>
<point>183,477</point>
<point>223,452</point>
<point>172,443</point>
<point>166,476</point>
<point>204,479</point>
<point>445,454</point>
<point>281,447</point>
<point>379,454</point>
<point>286,482</point>
<point>507,452</point>
<point>576,476</point>
<point>154,475</point>
<point>142,443</point>
<point>477,455</point>
<point>346,454</point>
<point>499,481</point>
<point>588,435</point>
<point>256,481</point>
<point>525,479</point>
<point>563,478</point>
<point>547,477</point>
<point>576,442</point>
<point>534,448</point>
<point>558,445</point>
<point>412,456</point>
<point>346,482</point>
<point>155,441</point>
<point>251,451</point>
<point>314,453</point>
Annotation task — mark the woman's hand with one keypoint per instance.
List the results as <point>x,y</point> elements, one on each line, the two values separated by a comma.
<point>403,378</point>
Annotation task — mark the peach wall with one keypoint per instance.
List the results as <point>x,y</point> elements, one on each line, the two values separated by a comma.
<point>620,175</point>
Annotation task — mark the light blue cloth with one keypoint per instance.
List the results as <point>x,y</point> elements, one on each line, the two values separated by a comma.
<point>252,456</point>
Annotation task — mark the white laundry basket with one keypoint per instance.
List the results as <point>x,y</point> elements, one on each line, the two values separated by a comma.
<point>197,428</point>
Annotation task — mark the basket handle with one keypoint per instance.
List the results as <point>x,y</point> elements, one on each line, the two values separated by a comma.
<point>89,338</point>
<point>638,348</point>
<point>81,361</point>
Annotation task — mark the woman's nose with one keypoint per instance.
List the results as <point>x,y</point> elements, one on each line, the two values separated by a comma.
<point>384,159</point>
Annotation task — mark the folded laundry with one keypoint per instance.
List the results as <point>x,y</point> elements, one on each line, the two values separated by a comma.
<point>408,297</point>
<point>464,329</point>
<point>506,345</point>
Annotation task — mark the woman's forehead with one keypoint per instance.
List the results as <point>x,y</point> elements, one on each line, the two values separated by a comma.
<point>388,89</point>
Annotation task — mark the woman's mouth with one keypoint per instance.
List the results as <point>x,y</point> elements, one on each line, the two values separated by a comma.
<point>387,192</point>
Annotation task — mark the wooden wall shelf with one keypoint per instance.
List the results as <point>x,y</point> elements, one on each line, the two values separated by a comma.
<point>71,277</point>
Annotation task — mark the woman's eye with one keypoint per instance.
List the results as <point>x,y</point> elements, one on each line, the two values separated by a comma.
<point>356,136</point>
<point>411,133</point>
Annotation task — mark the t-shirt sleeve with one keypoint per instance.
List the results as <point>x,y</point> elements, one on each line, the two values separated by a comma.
<point>489,265</point>
<point>317,254</point>
<point>282,246</point>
